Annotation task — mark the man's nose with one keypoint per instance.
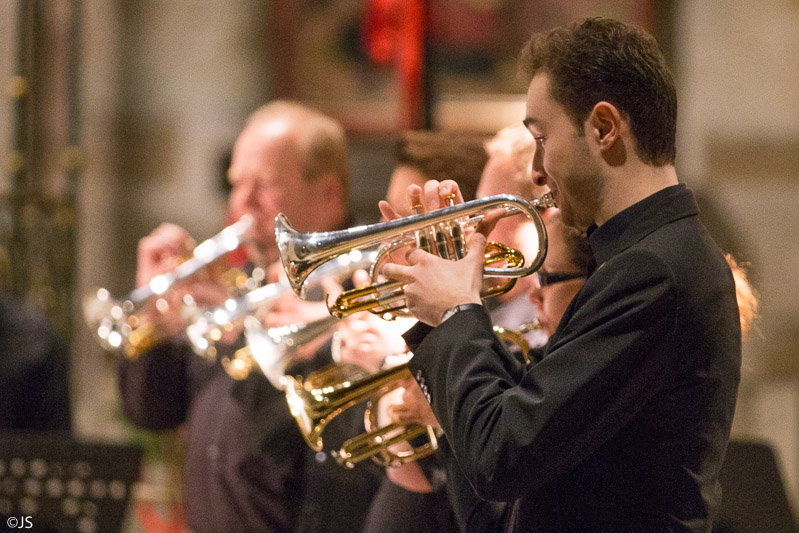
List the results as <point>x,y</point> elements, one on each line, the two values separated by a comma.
<point>539,175</point>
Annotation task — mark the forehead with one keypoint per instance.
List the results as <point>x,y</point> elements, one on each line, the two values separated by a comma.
<point>261,147</point>
<point>540,106</point>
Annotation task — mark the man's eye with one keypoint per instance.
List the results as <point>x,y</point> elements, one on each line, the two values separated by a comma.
<point>540,140</point>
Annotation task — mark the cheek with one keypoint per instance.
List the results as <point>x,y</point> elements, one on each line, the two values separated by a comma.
<point>557,302</point>
<point>236,200</point>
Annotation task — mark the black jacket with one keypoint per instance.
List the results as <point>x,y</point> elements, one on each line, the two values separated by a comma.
<point>248,468</point>
<point>624,423</point>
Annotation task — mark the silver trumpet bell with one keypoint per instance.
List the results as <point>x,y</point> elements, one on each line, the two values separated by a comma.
<point>275,349</point>
<point>302,253</point>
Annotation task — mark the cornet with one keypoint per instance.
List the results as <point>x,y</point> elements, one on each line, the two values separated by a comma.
<point>325,394</point>
<point>116,320</point>
<point>442,230</point>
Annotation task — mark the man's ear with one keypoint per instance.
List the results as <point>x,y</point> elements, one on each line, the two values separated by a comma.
<point>330,189</point>
<point>604,124</point>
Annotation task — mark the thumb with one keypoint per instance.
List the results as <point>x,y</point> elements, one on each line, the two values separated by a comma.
<point>477,247</point>
<point>490,220</point>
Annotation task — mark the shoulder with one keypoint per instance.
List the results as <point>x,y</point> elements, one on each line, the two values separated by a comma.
<point>636,268</point>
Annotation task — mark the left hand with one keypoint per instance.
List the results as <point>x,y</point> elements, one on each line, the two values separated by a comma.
<point>367,339</point>
<point>433,284</point>
<point>413,409</point>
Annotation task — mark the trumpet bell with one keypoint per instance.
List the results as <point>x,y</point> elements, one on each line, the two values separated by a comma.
<point>327,393</point>
<point>274,349</point>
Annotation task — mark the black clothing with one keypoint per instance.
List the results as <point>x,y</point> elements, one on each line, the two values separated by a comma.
<point>397,510</point>
<point>247,466</point>
<point>239,477</point>
<point>34,365</point>
<point>623,424</point>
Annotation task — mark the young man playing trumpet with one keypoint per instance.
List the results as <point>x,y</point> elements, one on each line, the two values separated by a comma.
<point>624,423</point>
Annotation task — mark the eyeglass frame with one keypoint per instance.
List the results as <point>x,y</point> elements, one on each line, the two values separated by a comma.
<point>550,278</point>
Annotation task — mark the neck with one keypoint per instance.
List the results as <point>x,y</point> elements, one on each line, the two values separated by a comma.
<point>631,184</point>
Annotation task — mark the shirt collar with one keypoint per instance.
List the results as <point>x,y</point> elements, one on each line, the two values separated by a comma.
<point>640,219</point>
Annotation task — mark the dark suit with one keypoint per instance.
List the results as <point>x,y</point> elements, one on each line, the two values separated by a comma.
<point>624,423</point>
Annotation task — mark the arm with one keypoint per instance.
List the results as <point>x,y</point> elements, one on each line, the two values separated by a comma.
<point>509,430</point>
<point>154,387</point>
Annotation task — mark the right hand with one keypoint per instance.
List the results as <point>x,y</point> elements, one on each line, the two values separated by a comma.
<point>162,251</point>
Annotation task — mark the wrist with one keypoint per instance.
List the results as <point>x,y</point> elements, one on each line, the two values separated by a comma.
<point>457,309</point>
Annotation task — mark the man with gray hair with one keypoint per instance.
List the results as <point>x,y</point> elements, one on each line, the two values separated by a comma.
<point>246,459</point>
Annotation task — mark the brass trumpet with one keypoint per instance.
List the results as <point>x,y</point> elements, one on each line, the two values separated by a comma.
<point>325,394</point>
<point>442,230</point>
<point>116,320</point>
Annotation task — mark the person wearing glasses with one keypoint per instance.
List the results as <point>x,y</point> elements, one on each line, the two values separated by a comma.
<point>564,271</point>
<point>624,423</point>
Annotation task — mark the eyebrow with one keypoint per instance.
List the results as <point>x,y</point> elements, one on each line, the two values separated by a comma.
<point>529,121</point>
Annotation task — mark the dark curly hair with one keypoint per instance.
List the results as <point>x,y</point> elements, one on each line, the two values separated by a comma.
<point>601,59</point>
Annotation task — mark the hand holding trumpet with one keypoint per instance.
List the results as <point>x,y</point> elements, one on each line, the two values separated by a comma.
<point>163,251</point>
<point>433,284</point>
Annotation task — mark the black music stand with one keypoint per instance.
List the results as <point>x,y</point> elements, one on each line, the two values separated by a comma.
<point>753,498</point>
<point>56,484</point>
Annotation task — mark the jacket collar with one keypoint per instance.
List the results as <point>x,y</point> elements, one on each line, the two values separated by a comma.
<point>640,219</point>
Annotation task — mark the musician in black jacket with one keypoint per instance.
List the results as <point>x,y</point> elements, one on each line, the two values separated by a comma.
<point>624,423</point>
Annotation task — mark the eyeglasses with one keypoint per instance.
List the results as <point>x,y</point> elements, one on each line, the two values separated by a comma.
<point>548,278</point>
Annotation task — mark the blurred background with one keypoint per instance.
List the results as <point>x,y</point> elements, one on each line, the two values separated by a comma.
<point>117,116</point>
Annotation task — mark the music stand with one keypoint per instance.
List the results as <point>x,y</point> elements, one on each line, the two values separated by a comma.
<point>53,483</point>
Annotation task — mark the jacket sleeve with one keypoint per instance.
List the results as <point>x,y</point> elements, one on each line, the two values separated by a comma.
<point>154,387</point>
<point>513,430</point>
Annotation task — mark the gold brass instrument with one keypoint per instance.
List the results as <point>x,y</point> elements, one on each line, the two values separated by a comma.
<point>515,337</point>
<point>116,321</point>
<point>442,229</point>
<point>325,394</point>
<point>387,298</point>
<point>377,442</point>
